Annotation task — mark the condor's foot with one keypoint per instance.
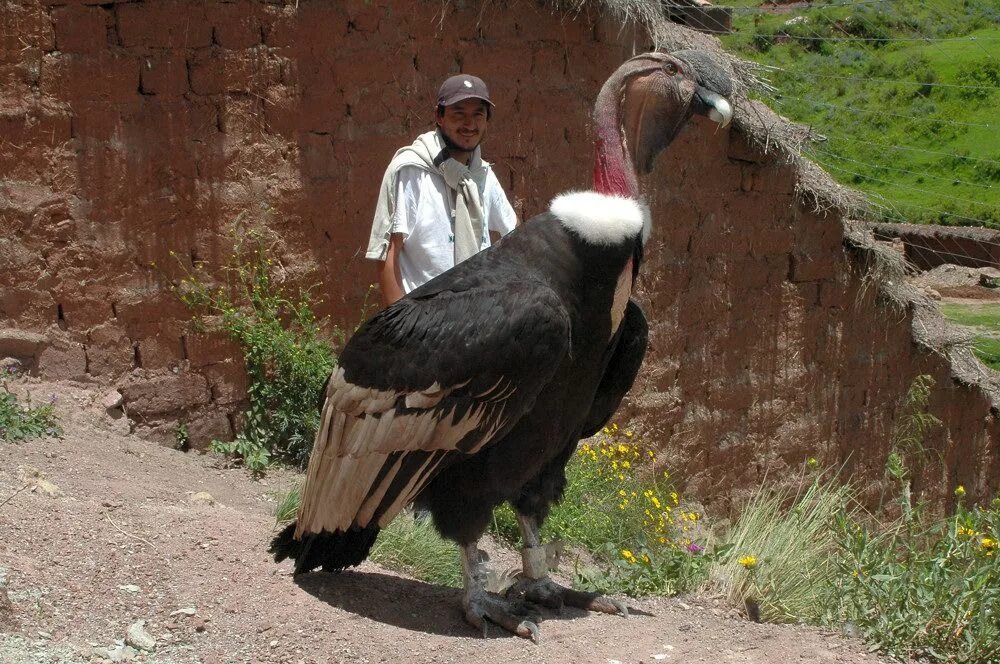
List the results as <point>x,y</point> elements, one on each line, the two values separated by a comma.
<point>515,616</point>
<point>546,592</point>
<point>482,607</point>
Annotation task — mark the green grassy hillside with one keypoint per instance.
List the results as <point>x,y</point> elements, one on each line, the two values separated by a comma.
<point>906,93</point>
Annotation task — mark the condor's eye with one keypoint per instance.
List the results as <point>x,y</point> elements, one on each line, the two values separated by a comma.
<point>672,68</point>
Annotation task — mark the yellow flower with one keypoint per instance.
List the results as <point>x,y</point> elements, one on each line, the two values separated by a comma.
<point>621,477</point>
<point>628,556</point>
<point>626,464</point>
<point>693,516</point>
<point>645,558</point>
<point>655,501</point>
<point>812,462</point>
<point>989,544</point>
<point>749,562</point>
<point>622,449</point>
<point>621,492</point>
<point>663,540</point>
<point>674,497</point>
<point>960,491</point>
<point>628,433</point>
<point>968,532</point>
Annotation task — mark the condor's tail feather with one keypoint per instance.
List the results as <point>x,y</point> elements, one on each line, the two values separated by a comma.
<point>331,551</point>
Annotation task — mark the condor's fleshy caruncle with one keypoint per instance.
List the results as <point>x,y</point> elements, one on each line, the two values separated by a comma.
<point>475,388</point>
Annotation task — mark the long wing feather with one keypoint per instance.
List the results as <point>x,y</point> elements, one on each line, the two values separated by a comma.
<point>427,380</point>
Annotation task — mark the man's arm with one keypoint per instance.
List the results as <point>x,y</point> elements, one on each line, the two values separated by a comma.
<point>389,280</point>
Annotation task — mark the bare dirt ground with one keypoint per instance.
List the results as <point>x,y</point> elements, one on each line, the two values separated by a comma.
<point>100,530</point>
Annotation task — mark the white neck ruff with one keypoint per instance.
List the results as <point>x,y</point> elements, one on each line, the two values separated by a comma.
<point>600,219</point>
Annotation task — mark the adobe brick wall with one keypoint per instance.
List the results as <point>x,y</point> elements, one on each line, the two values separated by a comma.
<point>131,130</point>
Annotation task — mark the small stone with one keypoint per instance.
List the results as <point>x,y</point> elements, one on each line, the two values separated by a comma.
<point>274,643</point>
<point>112,400</point>
<point>139,638</point>
<point>47,488</point>
<point>202,498</point>
<point>659,656</point>
<point>186,611</point>
<point>130,588</point>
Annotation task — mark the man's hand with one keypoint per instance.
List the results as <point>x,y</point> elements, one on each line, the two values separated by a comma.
<point>389,280</point>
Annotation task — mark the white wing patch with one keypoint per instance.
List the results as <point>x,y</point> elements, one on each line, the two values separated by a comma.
<point>601,219</point>
<point>359,431</point>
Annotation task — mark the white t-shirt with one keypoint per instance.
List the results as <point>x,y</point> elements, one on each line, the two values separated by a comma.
<point>423,216</point>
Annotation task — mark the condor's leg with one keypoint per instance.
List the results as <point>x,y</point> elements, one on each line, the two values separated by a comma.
<point>535,585</point>
<point>480,605</point>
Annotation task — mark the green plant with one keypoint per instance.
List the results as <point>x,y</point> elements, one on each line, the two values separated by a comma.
<point>414,547</point>
<point>407,545</point>
<point>287,361</point>
<point>924,590</point>
<point>628,519</point>
<point>181,436</point>
<point>288,505</point>
<point>19,422</point>
<point>777,556</point>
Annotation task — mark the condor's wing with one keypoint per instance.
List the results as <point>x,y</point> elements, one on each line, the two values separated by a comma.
<point>427,379</point>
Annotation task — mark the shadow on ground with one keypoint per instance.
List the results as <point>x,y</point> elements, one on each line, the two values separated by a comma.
<point>406,603</point>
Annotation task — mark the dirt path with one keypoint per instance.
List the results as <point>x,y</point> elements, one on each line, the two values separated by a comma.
<point>124,538</point>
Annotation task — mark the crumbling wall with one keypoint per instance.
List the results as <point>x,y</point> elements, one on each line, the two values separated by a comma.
<point>130,130</point>
<point>771,342</point>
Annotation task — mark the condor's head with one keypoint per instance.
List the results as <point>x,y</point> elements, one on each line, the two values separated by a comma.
<point>644,104</point>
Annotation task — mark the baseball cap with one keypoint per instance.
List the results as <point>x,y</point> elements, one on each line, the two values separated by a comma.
<point>462,86</point>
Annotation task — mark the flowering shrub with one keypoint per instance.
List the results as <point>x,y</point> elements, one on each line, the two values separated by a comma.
<point>927,590</point>
<point>626,515</point>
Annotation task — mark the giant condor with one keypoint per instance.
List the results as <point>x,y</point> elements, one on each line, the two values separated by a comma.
<point>475,388</point>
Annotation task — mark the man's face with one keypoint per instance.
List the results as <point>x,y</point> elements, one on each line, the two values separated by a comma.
<point>464,123</point>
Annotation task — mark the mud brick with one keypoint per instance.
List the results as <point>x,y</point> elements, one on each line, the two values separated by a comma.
<point>35,127</point>
<point>280,25</point>
<point>365,15</point>
<point>80,78</point>
<point>210,348</point>
<point>283,112</point>
<point>149,394</point>
<point>109,350</point>
<point>160,351</point>
<point>227,381</point>
<point>216,71</point>
<point>236,25</point>
<point>164,75</point>
<point>812,267</point>
<point>80,29</point>
<point>206,425</point>
<point>25,24</point>
<point>164,24</point>
<point>63,360</point>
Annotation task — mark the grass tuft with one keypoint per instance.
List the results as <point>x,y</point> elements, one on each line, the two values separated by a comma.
<point>778,555</point>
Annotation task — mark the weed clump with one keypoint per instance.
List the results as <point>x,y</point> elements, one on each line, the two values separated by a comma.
<point>287,360</point>
<point>18,423</point>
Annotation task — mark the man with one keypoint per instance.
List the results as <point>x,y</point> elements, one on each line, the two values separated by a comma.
<point>439,202</point>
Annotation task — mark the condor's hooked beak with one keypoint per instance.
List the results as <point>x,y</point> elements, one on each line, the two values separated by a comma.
<point>714,105</point>
<point>714,86</point>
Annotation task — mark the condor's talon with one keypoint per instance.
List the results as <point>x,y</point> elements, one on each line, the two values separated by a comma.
<point>546,592</point>
<point>529,630</point>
